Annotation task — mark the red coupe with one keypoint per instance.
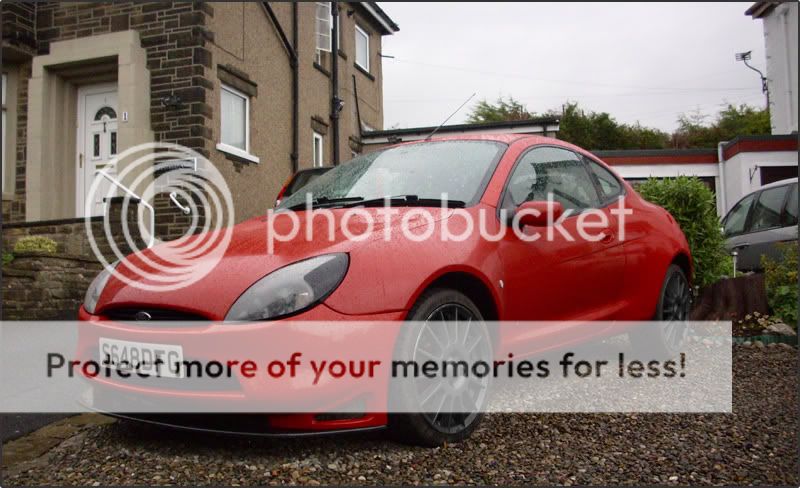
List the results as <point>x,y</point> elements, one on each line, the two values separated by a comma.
<point>636,264</point>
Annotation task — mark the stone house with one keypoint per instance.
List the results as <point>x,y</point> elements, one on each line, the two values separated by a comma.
<point>252,86</point>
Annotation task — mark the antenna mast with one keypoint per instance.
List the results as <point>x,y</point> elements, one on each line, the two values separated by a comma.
<point>448,118</point>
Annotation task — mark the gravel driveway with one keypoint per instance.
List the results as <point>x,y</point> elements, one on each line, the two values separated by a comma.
<point>757,444</point>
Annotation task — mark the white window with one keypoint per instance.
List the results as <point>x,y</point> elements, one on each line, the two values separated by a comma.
<point>5,129</point>
<point>362,48</point>
<point>323,26</point>
<point>318,145</point>
<point>235,123</point>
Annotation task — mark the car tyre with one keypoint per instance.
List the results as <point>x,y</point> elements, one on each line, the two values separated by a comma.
<point>417,428</point>
<point>674,304</point>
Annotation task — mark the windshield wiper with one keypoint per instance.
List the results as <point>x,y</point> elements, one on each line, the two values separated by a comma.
<point>322,202</point>
<point>408,201</point>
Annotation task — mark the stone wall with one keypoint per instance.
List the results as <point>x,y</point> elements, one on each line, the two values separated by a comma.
<point>39,286</point>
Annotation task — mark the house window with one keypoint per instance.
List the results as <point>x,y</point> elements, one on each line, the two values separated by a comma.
<point>318,145</point>
<point>235,123</point>
<point>362,48</point>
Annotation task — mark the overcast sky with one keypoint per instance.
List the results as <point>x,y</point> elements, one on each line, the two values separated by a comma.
<point>638,61</point>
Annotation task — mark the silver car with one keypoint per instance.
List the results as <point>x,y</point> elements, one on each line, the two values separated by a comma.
<point>760,220</point>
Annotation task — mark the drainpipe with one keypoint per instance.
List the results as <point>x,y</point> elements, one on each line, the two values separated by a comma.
<point>291,51</point>
<point>720,161</point>
<point>335,100</point>
<point>295,93</point>
<point>784,16</point>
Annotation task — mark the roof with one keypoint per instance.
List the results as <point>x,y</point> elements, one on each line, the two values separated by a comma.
<point>765,143</point>
<point>389,26</point>
<point>760,9</point>
<point>538,125</point>
<point>625,153</point>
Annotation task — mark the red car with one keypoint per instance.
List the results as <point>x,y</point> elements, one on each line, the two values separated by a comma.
<point>643,275</point>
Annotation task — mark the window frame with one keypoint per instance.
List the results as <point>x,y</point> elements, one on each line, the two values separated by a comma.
<point>794,189</point>
<point>314,137</point>
<point>523,154</point>
<point>360,30</point>
<point>604,200</point>
<point>781,214</point>
<point>245,154</point>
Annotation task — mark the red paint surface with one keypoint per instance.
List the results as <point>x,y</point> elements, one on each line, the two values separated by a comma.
<point>557,280</point>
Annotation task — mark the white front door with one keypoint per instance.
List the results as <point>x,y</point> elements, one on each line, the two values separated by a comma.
<point>97,143</point>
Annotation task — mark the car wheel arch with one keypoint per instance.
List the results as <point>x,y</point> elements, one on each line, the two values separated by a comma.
<point>469,282</point>
<point>683,261</point>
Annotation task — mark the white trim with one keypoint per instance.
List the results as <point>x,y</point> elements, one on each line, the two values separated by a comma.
<point>355,51</point>
<point>246,153</point>
<point>235,151</point>
<point>380,20</point>
<point>317,162</point>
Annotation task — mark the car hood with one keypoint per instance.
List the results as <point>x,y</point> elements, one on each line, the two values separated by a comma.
<point>216,278</point>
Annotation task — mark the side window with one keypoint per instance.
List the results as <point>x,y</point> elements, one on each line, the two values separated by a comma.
<point>552,171</point>
<point>767,211</point>
<point>608,183</point>
<point>737,217</point>
<point>790,216</point>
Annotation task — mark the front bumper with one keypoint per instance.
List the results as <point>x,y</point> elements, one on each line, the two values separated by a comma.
<point>203,341</point>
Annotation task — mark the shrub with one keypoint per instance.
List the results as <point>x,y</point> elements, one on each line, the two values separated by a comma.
<point>780,278</point>
<point>694,207</point>
<point>7,258</point>
<point>36,244</point>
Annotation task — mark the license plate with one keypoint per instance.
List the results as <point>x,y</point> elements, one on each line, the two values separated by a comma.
<point>142,358</point>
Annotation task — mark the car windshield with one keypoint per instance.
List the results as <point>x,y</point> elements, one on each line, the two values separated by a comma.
<point>428,170</point>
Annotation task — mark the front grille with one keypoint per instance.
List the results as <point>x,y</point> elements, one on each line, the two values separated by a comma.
<point>156,314</point>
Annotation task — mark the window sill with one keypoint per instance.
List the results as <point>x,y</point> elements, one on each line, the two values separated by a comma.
<point>238,153</point>
<point>365,72</point>
<point>322,70</point>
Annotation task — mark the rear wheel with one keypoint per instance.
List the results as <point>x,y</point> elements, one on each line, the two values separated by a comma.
<point>674,305</point>
<point>447,326</point>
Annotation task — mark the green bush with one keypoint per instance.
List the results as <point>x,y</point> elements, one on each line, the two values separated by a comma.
<point>7,258</point>
<point>780,278</point>
<point>35,244</point>
<point>694,207</point>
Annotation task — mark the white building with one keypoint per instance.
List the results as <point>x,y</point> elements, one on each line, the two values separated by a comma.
<point>733,170</point>
<point>780,39</point>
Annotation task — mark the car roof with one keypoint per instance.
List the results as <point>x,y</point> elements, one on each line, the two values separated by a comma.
<point>507,138</point>
<point>787,181</point>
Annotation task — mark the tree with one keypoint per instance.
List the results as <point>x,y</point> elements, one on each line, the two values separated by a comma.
<point>500,111</point>
<point>732,121</point>
<point>588,129</point>
<point>600,131</point>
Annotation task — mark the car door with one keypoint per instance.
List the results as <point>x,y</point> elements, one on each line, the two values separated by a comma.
<point>734,225</point>
<point>763,228</point>
<point>557,277</point>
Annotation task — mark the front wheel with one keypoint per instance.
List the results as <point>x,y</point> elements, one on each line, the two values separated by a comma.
<point>446,326</point>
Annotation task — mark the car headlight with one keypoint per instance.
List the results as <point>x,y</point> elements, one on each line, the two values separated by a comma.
<point>291,289</point>
<point>96,288</point>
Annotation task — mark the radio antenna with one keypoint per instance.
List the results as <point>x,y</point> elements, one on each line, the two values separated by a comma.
<point>448,118</point>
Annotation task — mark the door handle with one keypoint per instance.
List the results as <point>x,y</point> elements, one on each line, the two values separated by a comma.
<point>608,236</point>
<point>741,246</point>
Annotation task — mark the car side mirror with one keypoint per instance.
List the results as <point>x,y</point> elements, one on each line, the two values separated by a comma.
<point>538,213</point>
